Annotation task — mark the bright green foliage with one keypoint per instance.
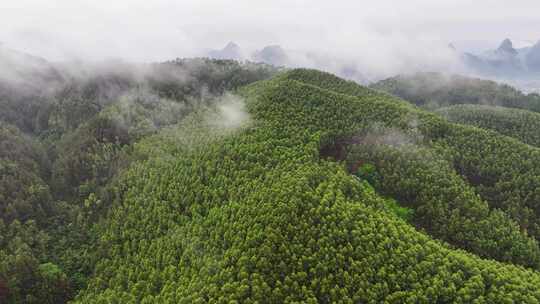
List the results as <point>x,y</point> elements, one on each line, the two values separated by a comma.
<point>57,179</point>
<point>167,201</point>
<point>369,173</point>
<point>258,216</point>
<point>405,213</point>
<point>502,170</point>
<point>444,204</point>
<point>54,285</point>
<point>520,124</point>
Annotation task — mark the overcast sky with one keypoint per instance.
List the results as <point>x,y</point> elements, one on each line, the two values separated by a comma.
<point>380,31</point>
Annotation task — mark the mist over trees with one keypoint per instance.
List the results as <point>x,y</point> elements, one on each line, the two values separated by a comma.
<point>212,180</point>
<point>66,131</point>
<point>433,90</point>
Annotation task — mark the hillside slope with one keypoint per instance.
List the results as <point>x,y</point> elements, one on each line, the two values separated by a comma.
<point>520,124</point>
<point>435,90</point>
<point>258,214</point>
<point>63,143</point>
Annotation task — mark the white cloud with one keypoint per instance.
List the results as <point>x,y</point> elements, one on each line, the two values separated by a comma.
<point>382,34</point>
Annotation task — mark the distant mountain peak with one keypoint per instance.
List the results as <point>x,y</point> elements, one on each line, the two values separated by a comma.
<point>506,43</point>
<point>272,54</point>
<point>231,48</point>
<point>506,61</point>
<point>230,51</point>
<point>231,45</point>
<point>507,47</point>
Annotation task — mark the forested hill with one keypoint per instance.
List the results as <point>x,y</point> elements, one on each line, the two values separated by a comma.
<point>434,90</point>
<point>66,131</point>
<point>521,124</point>
<point>267,214</point>
<point>299,188</point>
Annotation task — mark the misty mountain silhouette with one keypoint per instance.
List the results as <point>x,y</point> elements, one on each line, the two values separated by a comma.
<point>230,51</point>
<point>532,58</point>
<point>505,61</point>
<point>272,54</point>
<point>507,48</point>
<point>22,70</point>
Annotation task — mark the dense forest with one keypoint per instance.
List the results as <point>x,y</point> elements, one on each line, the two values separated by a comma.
<point>434,90</point>
<point>212,181</point>
<point>520,124</point>
<point>65,134</point>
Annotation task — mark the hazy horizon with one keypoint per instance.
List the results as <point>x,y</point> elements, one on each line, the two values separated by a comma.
<point>158,30</point>
<point>375,40</point>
